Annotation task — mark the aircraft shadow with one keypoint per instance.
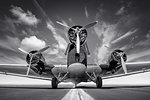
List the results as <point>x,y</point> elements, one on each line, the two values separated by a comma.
<point>112,87</point>
<point>78,87</point>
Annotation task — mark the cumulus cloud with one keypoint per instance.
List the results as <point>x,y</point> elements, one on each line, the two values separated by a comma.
<point>32,43</point>
<point>57,48</point>
<point>26,18</point>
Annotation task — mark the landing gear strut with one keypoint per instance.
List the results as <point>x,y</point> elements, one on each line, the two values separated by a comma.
<point>99,82</point>
<point>54,82</point>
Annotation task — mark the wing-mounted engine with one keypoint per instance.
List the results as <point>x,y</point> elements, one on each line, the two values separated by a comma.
<point>115,58</point>
<point>35,57</point>
<point>116,61</point>
<point>35,60</point>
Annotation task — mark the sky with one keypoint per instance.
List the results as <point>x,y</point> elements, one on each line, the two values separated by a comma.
<point>31,25</point>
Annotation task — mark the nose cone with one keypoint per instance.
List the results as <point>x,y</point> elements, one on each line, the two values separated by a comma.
<point>76,69</point>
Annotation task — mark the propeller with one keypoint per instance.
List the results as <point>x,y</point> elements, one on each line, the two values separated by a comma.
<point>28,70</point>
<point>78,43</point>
<point>32,55</point>
<point>42,50</point>
<point>123,64</point>
<point>77,31</point>
<point>90,25</point>
<point>23,51</point>
<point>85,27</point>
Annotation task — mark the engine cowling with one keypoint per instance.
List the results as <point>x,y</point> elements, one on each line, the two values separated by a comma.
<point>73,36</point>
<point>115,58</point>
<point>35,58</point>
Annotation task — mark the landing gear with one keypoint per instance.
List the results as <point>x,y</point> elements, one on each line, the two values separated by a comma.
<point>77,57</point>
<point>54,82</point>
<point>99,82</point>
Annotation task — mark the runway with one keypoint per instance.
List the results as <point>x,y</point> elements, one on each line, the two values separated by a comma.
<point>84,93</point>
<point>133,87</point>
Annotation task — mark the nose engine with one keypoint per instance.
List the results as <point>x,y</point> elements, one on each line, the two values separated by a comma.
<point>72,34</point>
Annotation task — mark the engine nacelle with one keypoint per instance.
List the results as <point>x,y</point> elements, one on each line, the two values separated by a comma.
<point>115,59</point>
<point>73,36</point>
<point>35,58</point>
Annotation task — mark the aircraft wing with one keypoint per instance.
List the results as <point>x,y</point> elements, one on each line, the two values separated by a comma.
<point>29,76</point>
<point>132,68</point>
<point>130,73</point>
<point>21,69</point>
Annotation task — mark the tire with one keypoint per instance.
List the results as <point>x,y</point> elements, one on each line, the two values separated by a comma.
<point>54,83</point>
<point>99,82</point>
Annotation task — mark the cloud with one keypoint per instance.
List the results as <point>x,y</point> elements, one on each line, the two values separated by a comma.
<point>10,43</point>
<point>32,43</point>
<point>60,40</point>
<point>86,12</point>
<point>137,54</point>
<point>120,11</point>
<point>129,33</point>
<point>26,18</point>
<point>106,34</point>
<point>12,60</point>
<point>62,44</point>
<point>57,49</point>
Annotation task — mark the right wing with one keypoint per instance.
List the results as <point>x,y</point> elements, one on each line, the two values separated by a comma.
<point>132,68</point>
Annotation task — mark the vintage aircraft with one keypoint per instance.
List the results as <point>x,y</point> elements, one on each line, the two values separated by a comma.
<point>77,69</point>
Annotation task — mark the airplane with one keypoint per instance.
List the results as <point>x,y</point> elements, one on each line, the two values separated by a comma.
<point>77,69</point>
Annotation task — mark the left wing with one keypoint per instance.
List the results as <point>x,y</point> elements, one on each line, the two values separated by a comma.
<point>21,70</point>
<point>27,76</point>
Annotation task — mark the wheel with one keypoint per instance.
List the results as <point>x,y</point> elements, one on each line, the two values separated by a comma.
<point>99,82</point>
<point>54,83</point>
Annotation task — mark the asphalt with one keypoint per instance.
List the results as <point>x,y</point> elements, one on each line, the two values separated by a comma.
<point>79,93</point>
<point>133,87</point>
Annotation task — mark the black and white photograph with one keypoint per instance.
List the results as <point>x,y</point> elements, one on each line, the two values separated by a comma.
<point>74,50</point>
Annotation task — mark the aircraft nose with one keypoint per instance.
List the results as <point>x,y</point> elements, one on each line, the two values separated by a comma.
<point>76,69</point>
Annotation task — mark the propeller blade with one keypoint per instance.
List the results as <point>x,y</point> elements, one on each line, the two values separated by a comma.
<point>43,49</point>
<point>23,51</point>
<point>90,25</point>
<point>29,65</point>
<point>123,65</point>
<point>78,43</point>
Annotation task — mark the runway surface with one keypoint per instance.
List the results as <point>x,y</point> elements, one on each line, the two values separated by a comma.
<point>133,87</point>
<point>82,93</point>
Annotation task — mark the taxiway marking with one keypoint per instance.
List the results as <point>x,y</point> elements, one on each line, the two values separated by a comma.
<point>77,94</point>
